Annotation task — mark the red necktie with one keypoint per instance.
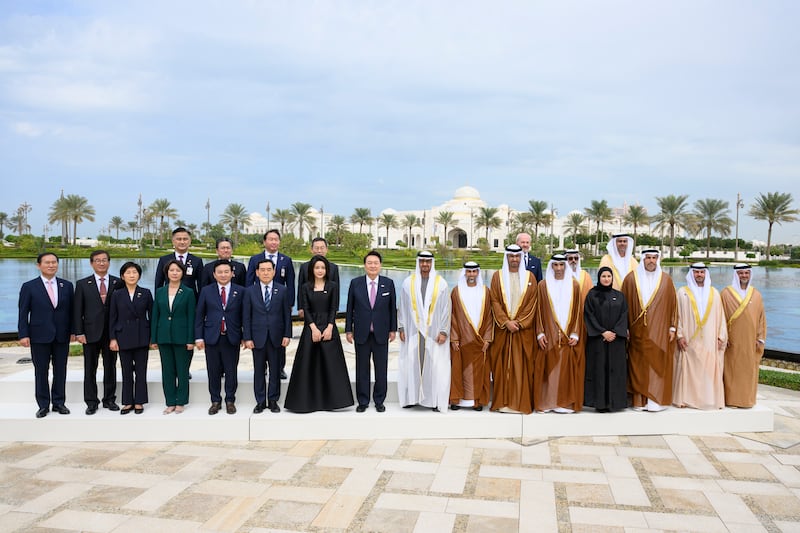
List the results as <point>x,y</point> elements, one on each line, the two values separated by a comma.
<point>224,303</point>
<point>103,290</point>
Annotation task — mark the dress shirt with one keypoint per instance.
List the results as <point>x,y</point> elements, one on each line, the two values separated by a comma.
<point>55,288</point>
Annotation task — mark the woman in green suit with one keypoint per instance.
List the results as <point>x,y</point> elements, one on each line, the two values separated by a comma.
<point>172,330</point>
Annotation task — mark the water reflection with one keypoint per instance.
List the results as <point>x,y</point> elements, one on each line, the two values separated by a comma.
<point>779,286</point>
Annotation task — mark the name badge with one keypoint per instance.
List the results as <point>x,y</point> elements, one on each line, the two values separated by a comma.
<point>283,272</point>
<point>189,270</point>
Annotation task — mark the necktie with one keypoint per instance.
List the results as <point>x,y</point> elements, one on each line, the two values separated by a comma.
<point>103,290</point>
<point>224,303</point>
<point>51,292</point>
<point>372,293</point>
<point>267,297</point>
<point>272,258</point>
<point>180,258</point>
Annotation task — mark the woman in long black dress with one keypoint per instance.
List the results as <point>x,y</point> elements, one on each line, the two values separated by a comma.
<point>319,380</point>
<point>606,315</point>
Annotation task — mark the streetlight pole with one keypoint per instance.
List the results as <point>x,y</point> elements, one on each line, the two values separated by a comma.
<point>739,204</point>
<point>322,220</point>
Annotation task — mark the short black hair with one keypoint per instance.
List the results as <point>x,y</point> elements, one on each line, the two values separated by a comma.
<point>265,260</point>
<point>221,240</point>
<point>219,262</point>
<point>319,239</point>
<point>375,253</point>
<point>180,229</point>
<point>174,262</point>
<point>41,255</point>
<point>276,232</point>
<point>99,252</point>
<point>130,264</point>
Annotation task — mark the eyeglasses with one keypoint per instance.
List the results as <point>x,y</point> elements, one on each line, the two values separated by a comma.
<point>99,260</point>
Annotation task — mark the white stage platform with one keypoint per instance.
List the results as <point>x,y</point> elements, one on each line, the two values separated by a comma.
<point>18,408</point>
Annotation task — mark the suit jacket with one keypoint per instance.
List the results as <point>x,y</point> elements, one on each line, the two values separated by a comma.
<point>191,280</point>
<point>173,325</point>
<point>534,265</point>
<point>129,320</point>
<point>360,315</point>
<point>38,320</point>
<point>284,272</point>
<point>303,276</point>
<point>209,314</point>
<point>239,274</point>
<point>89,313</point>
<point>261,325</point>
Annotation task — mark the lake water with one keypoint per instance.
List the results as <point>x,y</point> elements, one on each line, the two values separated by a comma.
<point>780,288</point>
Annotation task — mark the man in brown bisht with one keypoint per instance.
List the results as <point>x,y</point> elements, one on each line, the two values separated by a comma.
<point>747,333</point>
<point>471,332</point>
<point>558,376</point>
<point>513,295</point>
<point>652,323</point>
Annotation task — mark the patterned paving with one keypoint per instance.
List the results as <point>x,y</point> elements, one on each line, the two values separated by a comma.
<point>717,482</point>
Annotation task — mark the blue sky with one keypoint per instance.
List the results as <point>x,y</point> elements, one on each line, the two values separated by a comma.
<point>397,104</point>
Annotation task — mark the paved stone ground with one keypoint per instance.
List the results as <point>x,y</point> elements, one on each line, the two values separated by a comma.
<point>723,482</point>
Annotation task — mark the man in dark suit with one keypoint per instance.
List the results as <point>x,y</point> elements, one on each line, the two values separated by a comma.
<point>284,274</point>
<point>181,240</point>
<point>225,251</point>
<point>90,323</point>
<point>372,321</point>
<point>267,327</point>
<point>218,330</point>
<point>45,326</point>
<point>319,246</point>
<point>531,262</point>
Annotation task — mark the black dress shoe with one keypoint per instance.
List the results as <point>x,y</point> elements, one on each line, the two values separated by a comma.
<point>41,413</point>
<point>409,406</point>
<point>230,408</point>
<point>125,410</point>
<point>477,408</point>
<point>61,409</point>
<point>273,407</point>
<point>215,407</point>
<point>259,408</point>
<point>380,407</point>
<point>435,410</point>
<point>111,406</point>
<point>283,375</point>
<point>361,408</point>
<point>92,409</point>
<point>454,407</point>
<point>138,410</point>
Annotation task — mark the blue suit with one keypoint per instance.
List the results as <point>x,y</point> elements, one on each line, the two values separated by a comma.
<point>266,327</point>
<point>370,327</point>
<point>49,331</point>
<point>222,349</point>
<point>534,265</point>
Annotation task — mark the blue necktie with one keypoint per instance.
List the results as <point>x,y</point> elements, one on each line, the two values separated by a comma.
<point>267,297</point>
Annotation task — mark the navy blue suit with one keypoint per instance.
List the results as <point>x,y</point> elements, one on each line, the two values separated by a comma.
<point>90,319</point>
<point>222,349</point>
<point>129,325</point>
<point>534,265</point>
<point>370,327</point>
<point>194,271</point>
<point>284,274</point>
<point>266,327</point>
<point>49,331</point>
<point>238,269</point>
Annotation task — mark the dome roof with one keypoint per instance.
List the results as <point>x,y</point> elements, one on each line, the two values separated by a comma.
<point>467,193</point>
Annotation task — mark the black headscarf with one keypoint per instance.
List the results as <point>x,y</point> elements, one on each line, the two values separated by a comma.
<point>600,286</point>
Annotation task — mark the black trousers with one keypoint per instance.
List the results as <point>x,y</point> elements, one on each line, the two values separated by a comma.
<point>268,355</point>
<point>222,357</point>
<point>379,353</point>
<point>134,375</point>
<point>92,352</point>
<point>42,355</point>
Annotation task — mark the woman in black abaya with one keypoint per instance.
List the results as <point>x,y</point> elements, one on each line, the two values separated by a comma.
<point>606,315</point>
<point>319,380</point>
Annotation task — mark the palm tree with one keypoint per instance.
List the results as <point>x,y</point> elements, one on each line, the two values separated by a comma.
<point>636,216</point>
<point>411,221</point>
<point>487,218</point>
<point>575,222</point>
<point>116,222</point>
<point>361,216</point>
<point>18,223</point>
<point>711,214</point>
<point>161,209</point>
<point>336,225</point>
<point>3,224</point>
<point>673,215</point>
<point>78,209</point>
<point>59,213</point>
<point>283,217</point>
<point>132,227</point>
<point>234,216</point>
<point>388,221</point>
<point>538,215</point>
<point>773,207</point>
<point>445,218</point>
<point>600,213</point>
<point>302,216</point>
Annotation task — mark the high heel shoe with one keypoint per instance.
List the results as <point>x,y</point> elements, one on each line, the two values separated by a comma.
<point>139,409</point>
